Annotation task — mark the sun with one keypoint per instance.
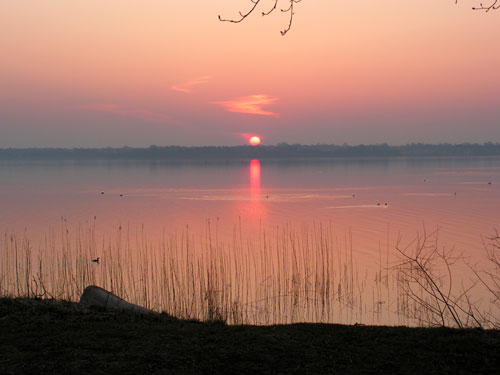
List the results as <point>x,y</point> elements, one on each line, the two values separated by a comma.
<point>254,141</point>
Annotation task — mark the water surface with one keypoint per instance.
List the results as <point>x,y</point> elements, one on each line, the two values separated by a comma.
<point>367,206</point>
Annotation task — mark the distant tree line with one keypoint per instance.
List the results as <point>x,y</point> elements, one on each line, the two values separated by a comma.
<point>279,151</point>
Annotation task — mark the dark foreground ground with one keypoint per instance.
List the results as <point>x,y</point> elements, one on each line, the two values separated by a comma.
<point>48,337</point>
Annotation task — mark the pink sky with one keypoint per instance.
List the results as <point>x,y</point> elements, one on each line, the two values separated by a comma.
<point>92,73</point>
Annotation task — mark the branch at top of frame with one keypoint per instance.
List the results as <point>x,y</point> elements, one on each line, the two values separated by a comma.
<point>242,15</point>
<point>255,3</point>
<point>493,6</point>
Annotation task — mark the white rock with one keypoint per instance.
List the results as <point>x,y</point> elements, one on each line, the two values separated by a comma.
<point>94,296</point>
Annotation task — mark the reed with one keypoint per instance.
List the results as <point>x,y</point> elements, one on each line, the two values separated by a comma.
<point>284,276</point>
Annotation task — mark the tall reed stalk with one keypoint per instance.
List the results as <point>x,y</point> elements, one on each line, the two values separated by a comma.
<point>277,277</point>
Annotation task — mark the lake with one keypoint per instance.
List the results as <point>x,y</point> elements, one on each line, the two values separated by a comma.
<point>258,242</point>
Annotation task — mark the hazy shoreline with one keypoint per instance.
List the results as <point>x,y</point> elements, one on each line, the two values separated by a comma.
<point>275,152</point>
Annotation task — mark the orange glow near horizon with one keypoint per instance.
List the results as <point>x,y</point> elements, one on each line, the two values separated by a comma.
<point>188,86</point>
<point>141,114</point>
<point>80,74</point>
<point>252,104</point>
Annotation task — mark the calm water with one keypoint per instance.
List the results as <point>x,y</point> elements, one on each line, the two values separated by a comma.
<point>368,204</point>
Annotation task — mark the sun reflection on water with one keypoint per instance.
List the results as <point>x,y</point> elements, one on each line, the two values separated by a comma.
<point>255,179</point>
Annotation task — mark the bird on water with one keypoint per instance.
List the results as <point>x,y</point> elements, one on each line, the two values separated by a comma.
<point>96,260</point>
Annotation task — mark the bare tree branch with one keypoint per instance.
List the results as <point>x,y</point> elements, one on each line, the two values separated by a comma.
<point>491,5</point>
<point>272,9</point>
<point>242,15</point>
<point>255,3</point>
<point>290,10</point>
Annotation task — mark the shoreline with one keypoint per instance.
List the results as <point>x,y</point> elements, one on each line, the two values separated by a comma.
<point>47,336</point>
<point>280,152</point>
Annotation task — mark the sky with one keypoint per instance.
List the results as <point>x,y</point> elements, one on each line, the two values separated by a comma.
<point>94,73</point>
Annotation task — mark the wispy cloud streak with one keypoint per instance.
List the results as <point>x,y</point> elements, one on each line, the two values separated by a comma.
<point>186,87</point>
<point>252,104</point>
<point>142,114</point>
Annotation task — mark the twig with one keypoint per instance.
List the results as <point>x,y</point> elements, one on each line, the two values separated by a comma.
<point>243,16</point>
<point>493,6</point>
<point>255,3</point>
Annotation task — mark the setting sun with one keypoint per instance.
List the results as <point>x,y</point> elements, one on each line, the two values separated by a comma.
<point>254,141</point>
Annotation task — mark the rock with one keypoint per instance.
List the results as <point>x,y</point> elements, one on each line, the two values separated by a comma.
<point>94,296</point>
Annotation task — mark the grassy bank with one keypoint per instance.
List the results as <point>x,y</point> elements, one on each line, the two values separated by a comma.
<point>48,336</point>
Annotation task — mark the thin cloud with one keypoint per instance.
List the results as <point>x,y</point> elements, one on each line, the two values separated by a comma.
<point>186,87</point>
<point>252,104</point>
<point>142,114</point>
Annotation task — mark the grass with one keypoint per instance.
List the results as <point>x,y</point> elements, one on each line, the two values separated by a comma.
<point>285,277</point>
<point>290,276</point>
<point>53,336</point>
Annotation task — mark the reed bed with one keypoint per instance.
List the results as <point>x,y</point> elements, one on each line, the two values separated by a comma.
<point>276,277</point>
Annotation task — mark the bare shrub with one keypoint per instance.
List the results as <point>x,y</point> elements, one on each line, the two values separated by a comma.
<point>489,277</point>
<point>429,293</point>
